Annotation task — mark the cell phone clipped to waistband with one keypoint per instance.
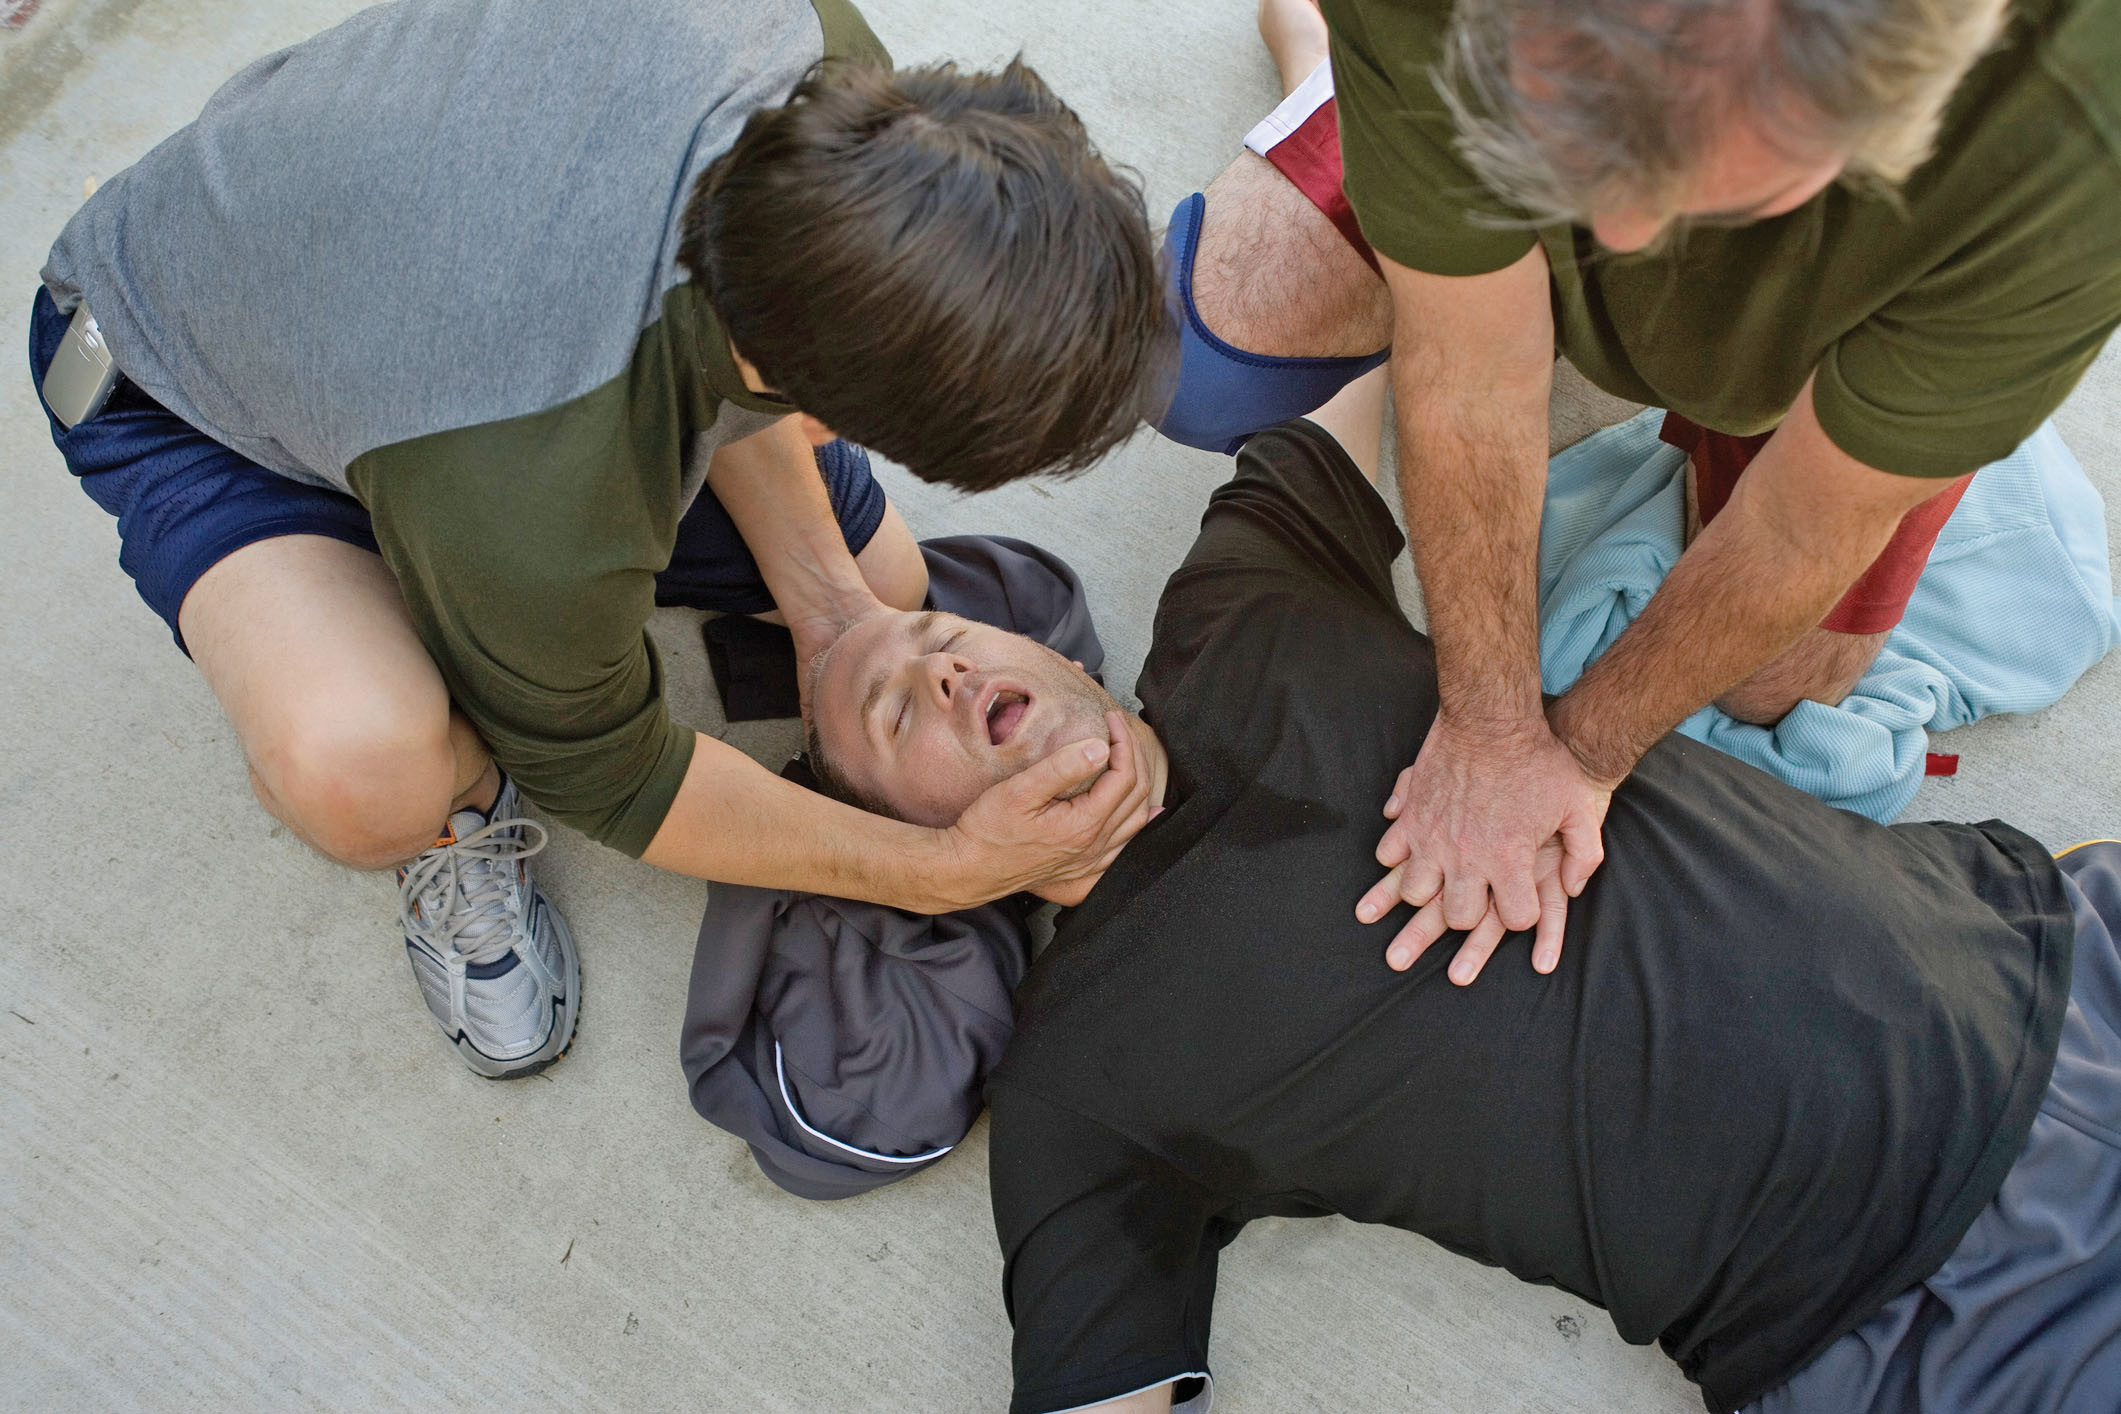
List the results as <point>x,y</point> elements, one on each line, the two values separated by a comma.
<point>82,372</point>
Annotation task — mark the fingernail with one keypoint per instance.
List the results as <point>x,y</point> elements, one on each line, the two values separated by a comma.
<point>1367,913</point>
<point>1397,959</point>
<point>1096,750</point>
<point>1392,804</point>
<point>1156,811</point>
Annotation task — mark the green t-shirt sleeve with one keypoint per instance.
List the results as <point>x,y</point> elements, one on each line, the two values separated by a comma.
<point>1966,363</point>
<point>1417,200</point>
<point>527,553</point>
<point>847,34</point>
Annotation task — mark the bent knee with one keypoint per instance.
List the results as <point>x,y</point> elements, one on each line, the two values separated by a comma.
<point>1225,390</point>
<point>369,790</point>
<point>1269,272</point>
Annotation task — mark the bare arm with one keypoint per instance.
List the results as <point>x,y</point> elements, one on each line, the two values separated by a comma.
<point>1472,368</point>
<point>1802,523</point>
<point>768,483</point>
<point>736,822</point>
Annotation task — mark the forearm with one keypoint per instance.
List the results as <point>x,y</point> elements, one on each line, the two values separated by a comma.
<point>1739,596</point>
<point>1472,472</point>
<point>768,483</point>
<point>1472,367</point>
<point>1800,526</point>
<point>733,821</point>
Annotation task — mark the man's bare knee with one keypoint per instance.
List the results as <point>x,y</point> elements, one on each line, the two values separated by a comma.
<point>1273,276</point>
<point>369,788</point>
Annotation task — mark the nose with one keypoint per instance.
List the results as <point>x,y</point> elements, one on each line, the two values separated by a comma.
<point>943,674</point>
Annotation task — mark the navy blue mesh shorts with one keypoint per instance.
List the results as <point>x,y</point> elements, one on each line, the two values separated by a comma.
<point>183,501</point>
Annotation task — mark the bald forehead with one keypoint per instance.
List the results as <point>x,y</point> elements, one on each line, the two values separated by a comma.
<point>908,630</point>
<point>844,664</point>
<point>849,675</point>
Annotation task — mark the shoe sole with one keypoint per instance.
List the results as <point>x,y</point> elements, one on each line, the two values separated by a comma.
<point>570,1009</point>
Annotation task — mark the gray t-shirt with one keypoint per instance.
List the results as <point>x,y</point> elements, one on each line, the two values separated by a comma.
<point>437,214</point>
<point>429,257</point>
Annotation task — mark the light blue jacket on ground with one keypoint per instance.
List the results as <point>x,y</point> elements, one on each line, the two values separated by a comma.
<point>2017,603</point>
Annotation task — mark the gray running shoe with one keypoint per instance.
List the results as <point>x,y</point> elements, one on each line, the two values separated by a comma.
<point>494,960</point>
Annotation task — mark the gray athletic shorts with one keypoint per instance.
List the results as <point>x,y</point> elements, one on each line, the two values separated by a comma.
<point>2025,1316</point>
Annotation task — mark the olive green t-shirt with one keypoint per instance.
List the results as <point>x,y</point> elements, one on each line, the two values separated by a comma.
<point>1943,326</point>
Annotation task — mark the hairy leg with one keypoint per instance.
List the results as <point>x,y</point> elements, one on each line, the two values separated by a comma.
<point>1272,275</point>
<point>352,743</point>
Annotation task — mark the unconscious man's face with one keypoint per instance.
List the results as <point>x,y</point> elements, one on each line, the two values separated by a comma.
<point>916,714</point>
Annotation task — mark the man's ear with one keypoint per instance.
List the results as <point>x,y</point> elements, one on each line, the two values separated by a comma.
<point>818,433</point>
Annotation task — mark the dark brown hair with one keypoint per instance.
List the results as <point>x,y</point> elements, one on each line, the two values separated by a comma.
<point>939,266</point>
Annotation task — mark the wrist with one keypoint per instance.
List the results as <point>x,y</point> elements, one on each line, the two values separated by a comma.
<point>1491,730</point>
<point>939,872</point>
<point>1604,763</point>
<point>820,624</point>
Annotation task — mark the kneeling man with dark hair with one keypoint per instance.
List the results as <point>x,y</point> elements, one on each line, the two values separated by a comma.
<point>1820,1105</point>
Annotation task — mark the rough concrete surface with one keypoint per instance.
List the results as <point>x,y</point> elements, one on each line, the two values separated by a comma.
<point>239,1169</point>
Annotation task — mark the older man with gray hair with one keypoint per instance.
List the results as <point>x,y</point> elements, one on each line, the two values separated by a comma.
<point>1858,248</point>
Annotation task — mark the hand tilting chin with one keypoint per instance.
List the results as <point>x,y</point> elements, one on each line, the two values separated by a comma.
<point>1041,831</point>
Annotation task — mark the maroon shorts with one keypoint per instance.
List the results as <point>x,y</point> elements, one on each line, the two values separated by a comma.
<point>1875,602</point>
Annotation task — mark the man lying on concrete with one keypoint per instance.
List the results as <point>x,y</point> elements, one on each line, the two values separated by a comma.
<point>1859,248</point>
<point>456,338</point>
<point>1791,1102</point>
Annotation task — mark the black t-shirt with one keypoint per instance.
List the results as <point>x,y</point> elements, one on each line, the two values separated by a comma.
<point>1787,1056</point>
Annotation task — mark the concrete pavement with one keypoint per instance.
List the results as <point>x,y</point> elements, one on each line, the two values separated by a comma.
<point>238,1168</point>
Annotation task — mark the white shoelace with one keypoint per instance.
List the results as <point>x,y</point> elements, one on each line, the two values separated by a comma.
<point>456,897</point>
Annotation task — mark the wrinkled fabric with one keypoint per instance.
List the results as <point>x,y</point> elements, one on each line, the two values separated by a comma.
<point>2018,602</point>
<point>847,1043</point>
<point>2025,1316</point>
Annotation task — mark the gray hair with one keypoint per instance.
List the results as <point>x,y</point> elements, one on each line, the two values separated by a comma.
<point>1566,106</point>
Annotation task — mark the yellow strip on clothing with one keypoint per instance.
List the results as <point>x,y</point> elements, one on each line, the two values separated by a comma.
<point>2085,845</point>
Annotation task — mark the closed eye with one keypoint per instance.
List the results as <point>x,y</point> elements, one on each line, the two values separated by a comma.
<point>905,705</point>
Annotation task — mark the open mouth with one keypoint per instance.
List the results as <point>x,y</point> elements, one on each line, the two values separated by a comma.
<point>1004,713</point>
